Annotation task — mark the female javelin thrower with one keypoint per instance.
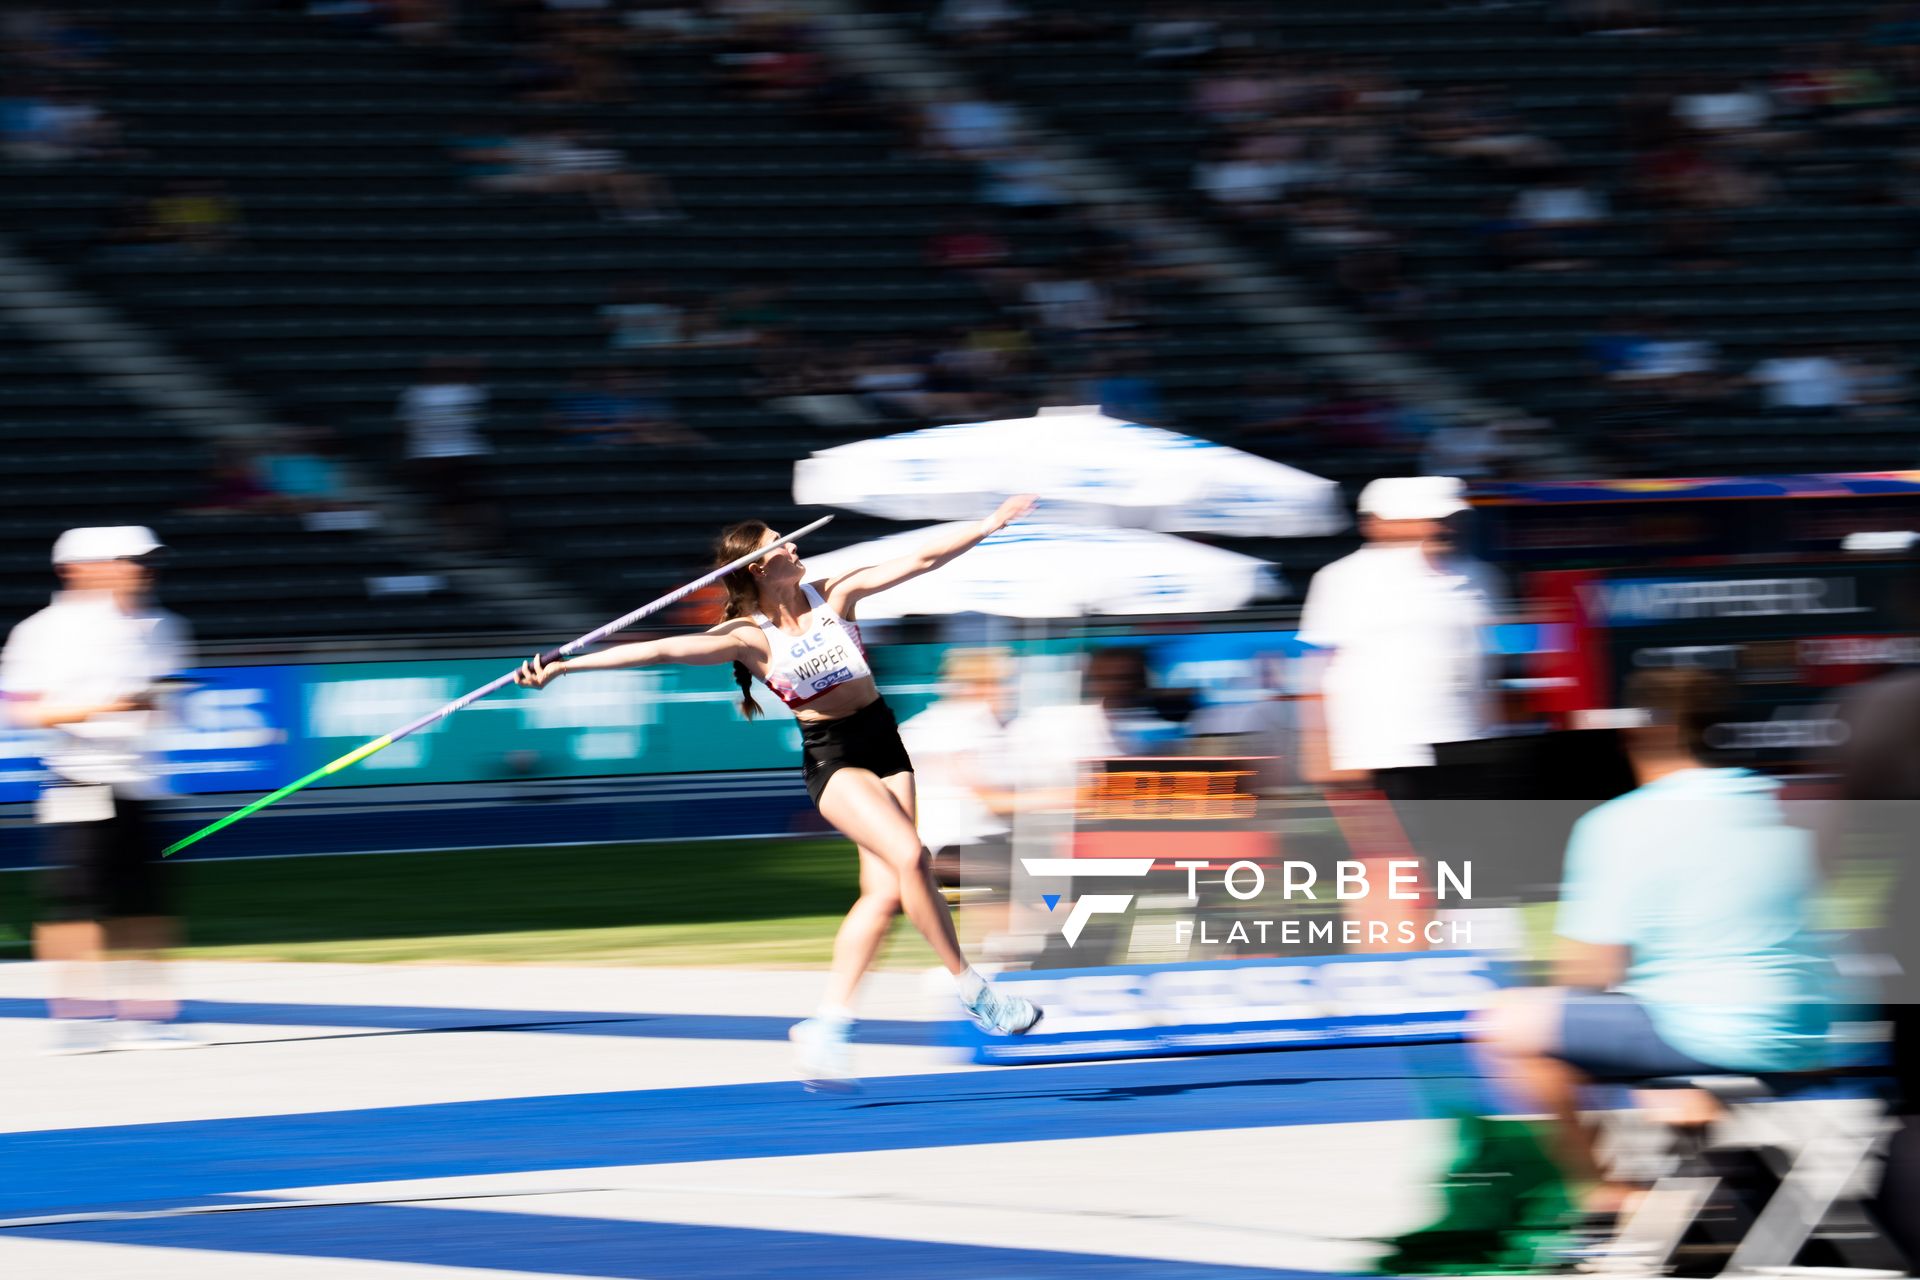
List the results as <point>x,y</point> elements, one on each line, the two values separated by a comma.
<point>800,640</point>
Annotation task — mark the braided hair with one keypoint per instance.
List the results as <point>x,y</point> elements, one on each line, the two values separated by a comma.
<point>743,594</point>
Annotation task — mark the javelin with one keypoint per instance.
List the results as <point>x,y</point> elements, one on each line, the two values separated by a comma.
<point>381,743</point>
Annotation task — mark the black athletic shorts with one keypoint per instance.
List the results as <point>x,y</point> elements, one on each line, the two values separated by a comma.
<point>868,739</point>
<point>106,870</point>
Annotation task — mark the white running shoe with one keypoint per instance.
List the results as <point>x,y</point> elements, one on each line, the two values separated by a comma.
<point>826,1052</point>
<point>1001,1014</point>
<point>137,1034</point>
<point>70,1036</point>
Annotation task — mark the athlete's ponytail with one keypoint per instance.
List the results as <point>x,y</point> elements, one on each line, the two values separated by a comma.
<point>742,594</point>
<point>744,678</point>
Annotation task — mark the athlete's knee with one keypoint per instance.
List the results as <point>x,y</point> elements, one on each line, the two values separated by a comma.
<point>879,892</point>
<point>908,859</point>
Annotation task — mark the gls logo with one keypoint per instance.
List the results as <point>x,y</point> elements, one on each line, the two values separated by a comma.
<point>1091,904</point>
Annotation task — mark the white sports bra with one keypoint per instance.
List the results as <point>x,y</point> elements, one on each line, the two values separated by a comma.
<point>801,668</point>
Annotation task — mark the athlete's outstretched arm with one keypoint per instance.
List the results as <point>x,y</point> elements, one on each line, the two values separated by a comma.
<point>707,650</point>
<point>856,584</point>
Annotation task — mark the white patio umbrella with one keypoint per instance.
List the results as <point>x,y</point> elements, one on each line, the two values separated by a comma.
<point>1086,467</point>
<point>1041,570</point>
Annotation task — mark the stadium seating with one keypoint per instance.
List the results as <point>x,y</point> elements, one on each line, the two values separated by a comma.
<point>1827,259</point>
<point>363,255</point>
<point>74,452</point>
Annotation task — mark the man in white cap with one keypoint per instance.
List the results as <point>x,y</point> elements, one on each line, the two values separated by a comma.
<point>1404,680</point>
<point>88,670</point>
<point>1402,624</point>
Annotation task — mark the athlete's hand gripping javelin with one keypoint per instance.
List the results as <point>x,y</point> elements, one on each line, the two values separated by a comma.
<point>535,674</point>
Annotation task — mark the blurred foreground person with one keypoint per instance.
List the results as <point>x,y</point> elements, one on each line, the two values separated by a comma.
<point>1686,947</point>
<point>959,751</point>
<point>1118,713</point>
<point>1142,720</point>
<point>1265,728</point>
<point>89,670</point>
<point>1879,822</point>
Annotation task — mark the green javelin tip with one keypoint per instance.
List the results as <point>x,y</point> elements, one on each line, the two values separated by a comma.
<point>354,756</point>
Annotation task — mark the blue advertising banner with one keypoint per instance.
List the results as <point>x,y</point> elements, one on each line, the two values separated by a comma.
<point>1138,1011</point>
<point>230,731</point>
<point>20,771</point>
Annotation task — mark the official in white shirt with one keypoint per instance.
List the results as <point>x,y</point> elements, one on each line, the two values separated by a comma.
<point>89,671</point>
<point>1403,624</point>
<point>1405,688</point>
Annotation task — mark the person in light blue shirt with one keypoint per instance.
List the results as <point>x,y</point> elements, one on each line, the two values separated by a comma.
<point>1702,883</point>
<point>1685,941</point>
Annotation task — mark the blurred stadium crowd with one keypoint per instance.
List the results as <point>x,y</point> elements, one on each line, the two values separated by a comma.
<point>600,264</point>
